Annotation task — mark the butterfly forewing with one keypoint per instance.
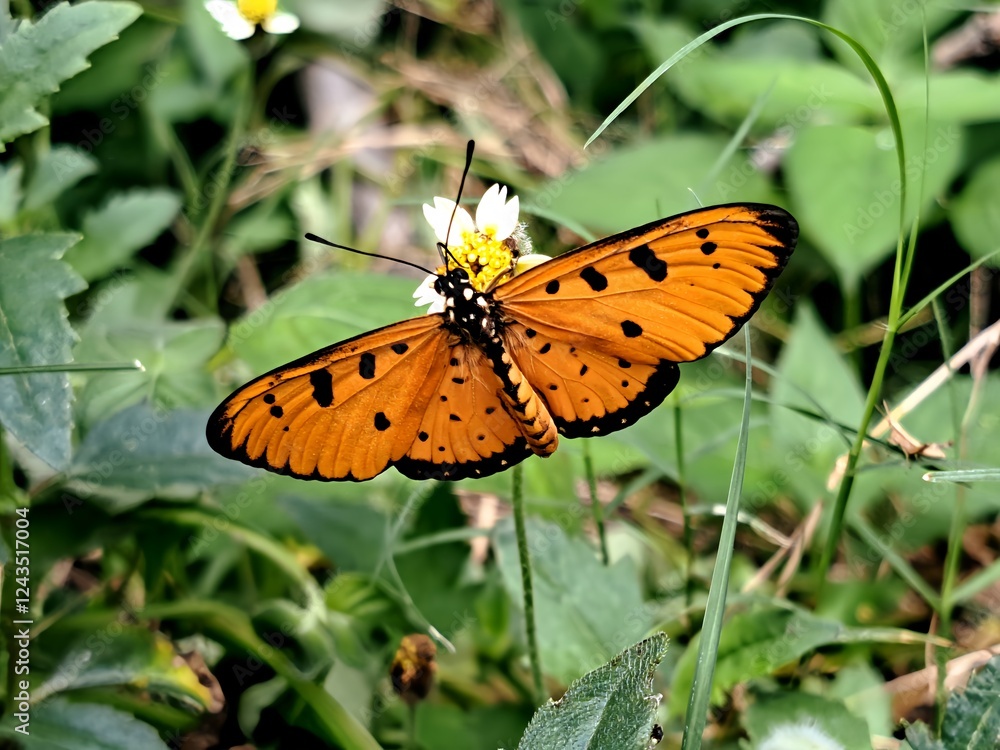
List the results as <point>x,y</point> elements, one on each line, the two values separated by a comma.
<point>345,412</point>
<point>671,290</point>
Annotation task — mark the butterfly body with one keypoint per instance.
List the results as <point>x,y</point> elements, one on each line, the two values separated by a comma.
<point>581,345</point>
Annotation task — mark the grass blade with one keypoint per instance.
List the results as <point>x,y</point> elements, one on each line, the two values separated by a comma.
<point>708,646</point>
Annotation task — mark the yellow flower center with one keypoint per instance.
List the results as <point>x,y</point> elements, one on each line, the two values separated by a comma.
<point>484,257</point>
<point>257,11</point>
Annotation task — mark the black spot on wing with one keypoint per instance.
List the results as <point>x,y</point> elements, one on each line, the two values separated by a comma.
<point>631,329</point>
<point>382,422</point>
<point>552,287</point>
<point>594,278</point>
<point>662,381</point>
<point>400,348</point>
<point>366,366</point>
<point>269,398</point>
<point>708,247</point>
<point>322,386</point>
<point>512,454</point>
<point>644,258</point>
<point>702,233</point>
<point>545,349</point>
<point>277,411</point>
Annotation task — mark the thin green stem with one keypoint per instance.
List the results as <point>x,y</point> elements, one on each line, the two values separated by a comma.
<point>844,491</point>
<point>74,367</point>
<point>521,531</point>
<point>682,496</point>
<point>595,504</point>
<point>219,184</point>
<point>715,609</point>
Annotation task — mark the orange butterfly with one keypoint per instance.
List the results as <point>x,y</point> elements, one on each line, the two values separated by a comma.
<point>582,345</point>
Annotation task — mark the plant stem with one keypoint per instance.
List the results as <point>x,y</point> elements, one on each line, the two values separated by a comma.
<point>521,532</point>
<point>846,484</point>
<point>220,185</point>
<point>595,505</point>
<point>682,495</point>
<point>715,609</point>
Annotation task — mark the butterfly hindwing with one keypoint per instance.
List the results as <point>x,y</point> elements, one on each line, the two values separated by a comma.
<point>587,391</point>
<point>465,430</point>
<point>671,290</point>
<point>344,412</point>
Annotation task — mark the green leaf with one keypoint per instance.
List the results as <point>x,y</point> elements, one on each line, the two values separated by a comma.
<point>961,96</point>
<point>120,78</point>
<point>10,190</point>
<point>174,355</point>
<point>125,224</point>
<point>131,656</point>
<point>753,644</point>
<point>142,452</point>
<point>811,362</point>
<point>638,184</point>
<point>35,409</point>
<point>975,213</point>
<point>972,717</point>
<point>611,708</point>
<point>890,30</point>
<point>57,171</point>
<point>351,535</point>
<point>62,725</point>
<point>846,189</point>
<point>796,717</point>
<point>302,319</point>
<point>585,612</point>
<point>919,738</point>
<point>40,55</point>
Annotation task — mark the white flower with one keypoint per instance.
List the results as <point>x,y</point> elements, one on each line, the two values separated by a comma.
<point>496,218</point>
<point>802,736</point>
<point>239,18</point>
<point>492,248</point>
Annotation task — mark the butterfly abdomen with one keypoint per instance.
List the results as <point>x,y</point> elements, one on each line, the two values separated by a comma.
<point>522,403</point>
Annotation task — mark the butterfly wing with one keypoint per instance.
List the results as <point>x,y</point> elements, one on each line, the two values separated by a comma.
<point>409,395</point>
<point>344,412</point>
<point>597,330</point>
<point>588,392</point>
<point>465,430</point>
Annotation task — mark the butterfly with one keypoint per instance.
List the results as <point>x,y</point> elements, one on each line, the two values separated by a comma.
<point>582,345</point>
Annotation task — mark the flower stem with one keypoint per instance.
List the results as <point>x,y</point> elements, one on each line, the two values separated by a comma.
<point>682,496</point>
<point>595,505</point>
<point>521,532</point>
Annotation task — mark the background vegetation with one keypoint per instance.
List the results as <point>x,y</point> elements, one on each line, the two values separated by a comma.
<point>156,183</point>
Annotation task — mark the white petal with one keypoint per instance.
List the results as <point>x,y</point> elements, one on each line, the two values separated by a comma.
<point>280,23</point>
<point>527,262</point>
<point>440,215</point>
<point>495,216</point>
<point>490,209</point>
<point>233,24</point>
<point>426,294</point>
<point>508,221</point>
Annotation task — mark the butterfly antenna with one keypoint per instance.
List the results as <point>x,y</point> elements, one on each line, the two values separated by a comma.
<point>443,246</point>
<point>314,238</point>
